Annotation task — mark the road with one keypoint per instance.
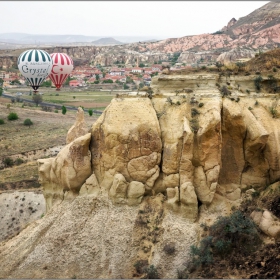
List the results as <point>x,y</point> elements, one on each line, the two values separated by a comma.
<point>58,107</point>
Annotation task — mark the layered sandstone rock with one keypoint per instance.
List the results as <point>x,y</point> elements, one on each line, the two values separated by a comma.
<point>79,128</point>
<point>67,172</point>
<point>126,139</point>
<point>148,174</point>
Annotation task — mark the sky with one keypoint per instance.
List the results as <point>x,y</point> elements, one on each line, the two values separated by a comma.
<point>157,19</point>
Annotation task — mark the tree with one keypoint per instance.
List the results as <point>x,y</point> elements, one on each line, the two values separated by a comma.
<point>90,112</point>
<point>63,109</point>
<point>108,81</point>
<point>1,81</point>
<point>47,84</point>
<point>141,65</point>
<point>125,86</point>
<point>97,77</point>
<point>37,98</point>
<point>28,122</point>
<point>16,81</point>
<point>1,91</point>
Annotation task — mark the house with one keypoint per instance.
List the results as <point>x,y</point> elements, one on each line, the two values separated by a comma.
<point>75,83</point>
<point>156,68</point>
<point>117,72</point>
<point>91,80</point>
<point>137,70</point>
<point>148,71</point>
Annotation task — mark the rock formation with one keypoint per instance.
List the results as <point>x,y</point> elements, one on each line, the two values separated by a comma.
<point>148,173</point>
<point>246,36</point>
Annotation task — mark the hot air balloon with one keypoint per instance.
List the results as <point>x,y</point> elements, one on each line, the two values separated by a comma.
<point>62,67</point>
<point>35,66</point>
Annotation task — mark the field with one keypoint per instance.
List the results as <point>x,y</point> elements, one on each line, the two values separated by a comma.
<point>49,129</point>
<point>87,98</point>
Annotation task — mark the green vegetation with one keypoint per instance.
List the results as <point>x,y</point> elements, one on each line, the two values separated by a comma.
<point>194,112</point>
<point>90,112</point>
<point>63,110</point>
<point>47,84</point>
<point>257,82</point>
<point>37,98</point>
<point>225,91</point>
<point>8,162</point>
<point>273,112</point>
<point>12,116</point>
<point>2,121</point>
<point>234,233</point>
<point>27,122</point>
<point>107,81</point>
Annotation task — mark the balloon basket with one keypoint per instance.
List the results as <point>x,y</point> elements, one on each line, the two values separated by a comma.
<point>58,89</point>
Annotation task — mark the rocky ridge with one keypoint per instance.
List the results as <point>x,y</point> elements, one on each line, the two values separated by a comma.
<point>146,175</point>
<point>238,40</point>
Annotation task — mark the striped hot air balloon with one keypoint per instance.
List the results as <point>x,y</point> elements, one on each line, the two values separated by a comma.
<point>62,67</point>
<point>35,66</point>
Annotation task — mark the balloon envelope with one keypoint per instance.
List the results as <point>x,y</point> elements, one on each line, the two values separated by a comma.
<point>62,67</point>
<point>35,66</point>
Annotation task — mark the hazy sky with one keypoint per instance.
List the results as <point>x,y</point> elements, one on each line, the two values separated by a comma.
<point>159,19</point>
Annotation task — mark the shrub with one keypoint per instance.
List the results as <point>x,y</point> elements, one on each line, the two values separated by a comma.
<point>151,272</point>
<point>8,162</point>
<point>27,122</point>
<point>273,112</point>
<point>256,103</point>
<point>238,229</point>
<point>178,103</point>
<point>250,108</point>
<point>225,91</point>
<point>37,98</point>
<point>46,108</point>
<point>202,255</point>
<point>64,110</point>
<point>140,266</point>
<point>194,112</point>
<point>230,233</point>
<point>274,69</point>
<point>169,248</point>
<point>200,105</point>
<point>248,91</point>
<point>194,125</point>
<point>90,112</point>
<point>257,82</point>
<point>12,116</point>
<point>56,111</point>
<point>19,161</point>
<point>2,121</point>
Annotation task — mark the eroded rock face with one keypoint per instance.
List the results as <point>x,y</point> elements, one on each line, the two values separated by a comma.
<point>78,129</point>
<point>126,140</point>
<point>67,172</point>
<point>188,145</point>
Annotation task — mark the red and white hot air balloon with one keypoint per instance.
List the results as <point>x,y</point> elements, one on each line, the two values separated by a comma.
<point>61,68</point>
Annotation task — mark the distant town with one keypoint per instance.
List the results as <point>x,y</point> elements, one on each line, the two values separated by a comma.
<point>115,77</point>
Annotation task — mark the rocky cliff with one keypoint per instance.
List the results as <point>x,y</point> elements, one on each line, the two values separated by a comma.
<point>239,39</point>
<point>146,175</point>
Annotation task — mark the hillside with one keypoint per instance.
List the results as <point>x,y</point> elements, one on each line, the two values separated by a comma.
<point>239,39</point>
<point>106,41</point>
<point>128,198</point>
